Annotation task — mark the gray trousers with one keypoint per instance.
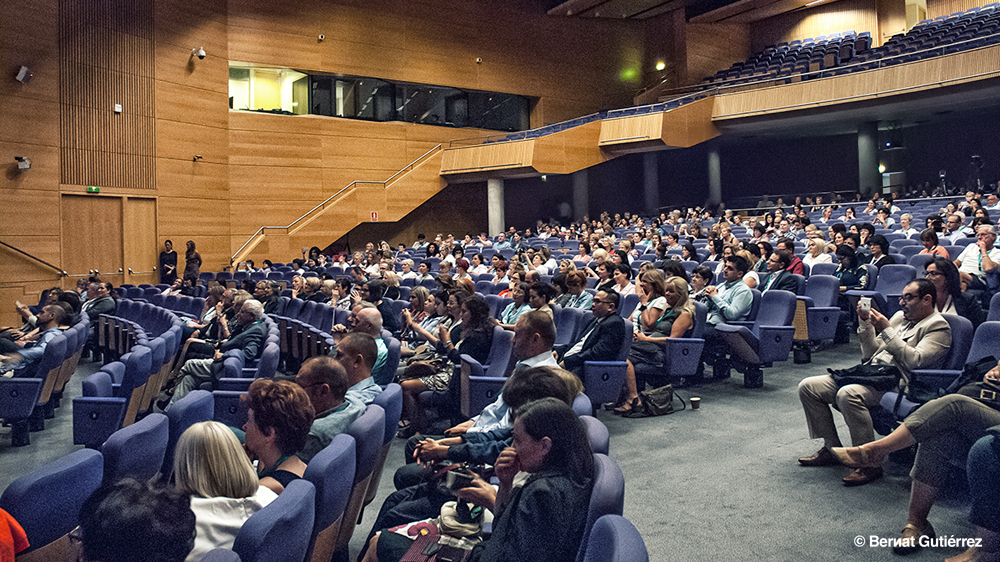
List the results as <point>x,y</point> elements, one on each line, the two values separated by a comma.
<point>193,374</point>
<point>946,428</point>
<point>817,394</point>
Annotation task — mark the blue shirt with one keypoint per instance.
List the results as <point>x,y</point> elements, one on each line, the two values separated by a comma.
<point>33,352</point>
<point>731,303</point>
<point>365,391</point>
<point>584,301</point>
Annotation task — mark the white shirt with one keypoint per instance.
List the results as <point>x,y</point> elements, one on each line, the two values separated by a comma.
<point>971,260</point>
<point>218,520</point>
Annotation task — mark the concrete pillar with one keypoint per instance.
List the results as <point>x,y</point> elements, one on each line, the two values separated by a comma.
<point>869,178</point>
<point>651,182</point>
<point>581,195</point>
<point>714,175</point>
<point>495,206</point>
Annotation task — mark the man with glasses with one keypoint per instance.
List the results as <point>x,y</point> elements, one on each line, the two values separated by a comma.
<point>779,277</point>
<point>917,337</point>
<point>600,340</point>
<point>325,381</point>
<point>955,229</point>
<point>979,258</point>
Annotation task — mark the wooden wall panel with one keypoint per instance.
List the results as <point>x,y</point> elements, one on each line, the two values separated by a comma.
<point>182,141</point>
<point>27,120</point>
<point>44,172</point>
<point>191,105</point>
<point>298,185</point>
<point>141,251</point>
<point>18,268</point>
<point>89,242</point>
<point>523,53</point>
<point>936,8</point>
<point>845,15</point>
<point>514,154</point>
<point>184,178</point>
<point>713,47</point>
<point>29,35</point>
<point>180,216</point>
<point>26,210</point>
<point>106,57</point>
<point>631,129</point>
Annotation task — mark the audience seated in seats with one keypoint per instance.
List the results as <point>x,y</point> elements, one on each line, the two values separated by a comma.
<point>131,521</point>
<point>248,336</point>
<point>211,466</point>
<point>472,336</point>
<point>779,277</point>
<point>917,337</point>
<point>816,253</point>
<point>539,296</point>
<point>421,319</point>
<point>545,518</point>
<point>366,319</point>
<point>416,498</point>
<point>24,361</point>
<point>358,354</point>
<point>675,321</point>
<point>622,276</point>
<point>956,229</point>
<point>879,256</point>
<point>373,292</point>
<point>313,290</point>
<point>514,310</point>
<point>906,227</point>
<point>950,298</point>
<point>209,309</point>
<point>946,428</point>
<point>600,340</point>
<point>267,293</point>
<point>977,259</point>
<point>325,380</point>
<point>701,279</point>
<point>100,300</point>
<point>795,266</point>
<point>726,302</point>
<point>298,287</point>
<point>279,418</point>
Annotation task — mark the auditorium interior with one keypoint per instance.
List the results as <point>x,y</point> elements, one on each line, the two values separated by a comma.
<point>261,128</point>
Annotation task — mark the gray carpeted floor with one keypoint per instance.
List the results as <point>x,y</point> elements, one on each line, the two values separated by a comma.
<point>719,483</point>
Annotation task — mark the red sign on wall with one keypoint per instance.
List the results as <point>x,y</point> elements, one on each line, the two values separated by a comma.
<point>374,216</point>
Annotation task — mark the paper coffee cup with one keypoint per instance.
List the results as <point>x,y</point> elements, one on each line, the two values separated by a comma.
<point>695,403</point>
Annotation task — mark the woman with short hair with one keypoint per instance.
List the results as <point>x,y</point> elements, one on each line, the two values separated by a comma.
<point>279,416</point>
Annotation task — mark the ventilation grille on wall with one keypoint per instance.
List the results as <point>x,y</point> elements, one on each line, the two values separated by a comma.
<point>106,58</point>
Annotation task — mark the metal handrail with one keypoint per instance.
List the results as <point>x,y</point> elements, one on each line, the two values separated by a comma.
<point>842,204</point>
<point>62,273</point>
<point>384,184</point>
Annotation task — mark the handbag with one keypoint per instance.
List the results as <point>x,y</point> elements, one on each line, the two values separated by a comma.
<point>656,402</point>
<point>987,393</point>
<point>882,378</point>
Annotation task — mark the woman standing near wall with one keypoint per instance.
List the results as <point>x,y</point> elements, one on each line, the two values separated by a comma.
<point>192,262</point>
<point>168,263</point>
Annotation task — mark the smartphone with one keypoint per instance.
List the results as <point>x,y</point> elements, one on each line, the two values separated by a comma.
<point>455,480</point>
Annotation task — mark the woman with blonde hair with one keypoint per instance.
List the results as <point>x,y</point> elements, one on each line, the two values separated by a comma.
<point>566,266</point>
<point>673,322</point>
<point>817,252</point>
<point>751,278</point>
<point>211,466</point>
<point>391,285</point>
<point>298,285</point>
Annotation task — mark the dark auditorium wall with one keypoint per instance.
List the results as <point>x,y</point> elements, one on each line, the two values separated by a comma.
<point>845,15</point>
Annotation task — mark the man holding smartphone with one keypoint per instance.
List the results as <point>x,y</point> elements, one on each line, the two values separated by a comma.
<point>917,337</point>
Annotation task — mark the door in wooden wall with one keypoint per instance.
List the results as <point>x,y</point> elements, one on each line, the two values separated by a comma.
<point>139,241</point>
<point>92,236</point>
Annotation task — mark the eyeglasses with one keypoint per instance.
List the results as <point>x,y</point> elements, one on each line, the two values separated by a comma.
<point>908,298</point>
<point>932,273</point>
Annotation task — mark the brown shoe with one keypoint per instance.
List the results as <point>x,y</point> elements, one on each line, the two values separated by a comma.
<point>910,539</point>
<point>823,457</point>
<point>862,476</point>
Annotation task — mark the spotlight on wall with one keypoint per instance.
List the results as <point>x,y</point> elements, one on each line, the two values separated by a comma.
<point>661,65</point>
<point>199,52</point>
<point>24,75</point>
<point>23,163</point>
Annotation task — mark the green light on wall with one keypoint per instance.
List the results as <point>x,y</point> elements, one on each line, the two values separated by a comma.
<point>629,74</point>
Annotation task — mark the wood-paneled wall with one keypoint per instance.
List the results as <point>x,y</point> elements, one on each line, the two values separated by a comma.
<point>106,58</point>
<point>937,8</point>
<point>845,15</point>
<point>714,46</point>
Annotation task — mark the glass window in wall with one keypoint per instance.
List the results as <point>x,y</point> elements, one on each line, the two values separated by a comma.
<point>277,90</point>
